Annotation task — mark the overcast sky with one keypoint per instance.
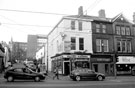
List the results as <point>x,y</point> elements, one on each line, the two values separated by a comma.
<point>42,23</point>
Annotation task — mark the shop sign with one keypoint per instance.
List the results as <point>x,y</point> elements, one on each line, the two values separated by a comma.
<point>126,59</point>
<point>76,56</point>
<point>82,56</point>
<point>101,60</point>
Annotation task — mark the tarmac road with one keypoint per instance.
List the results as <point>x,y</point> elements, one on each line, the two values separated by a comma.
<point>66,82</point>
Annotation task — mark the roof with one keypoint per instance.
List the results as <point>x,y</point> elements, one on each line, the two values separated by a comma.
<point>96,18</point>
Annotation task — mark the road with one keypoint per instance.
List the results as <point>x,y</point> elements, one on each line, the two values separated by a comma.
<point>126,82</point>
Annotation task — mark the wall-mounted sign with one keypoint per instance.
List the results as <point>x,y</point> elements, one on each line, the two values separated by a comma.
<point>126,60</point>
<point>76,56</point>
<point>101,60</point>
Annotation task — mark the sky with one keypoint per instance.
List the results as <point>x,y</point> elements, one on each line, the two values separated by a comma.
<point>36,20</point>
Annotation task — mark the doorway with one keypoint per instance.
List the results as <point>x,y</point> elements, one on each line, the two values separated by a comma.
<point>66,68</point>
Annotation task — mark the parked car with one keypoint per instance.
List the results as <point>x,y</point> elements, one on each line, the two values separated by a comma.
<point>23,74</point>
<point>80,74</point>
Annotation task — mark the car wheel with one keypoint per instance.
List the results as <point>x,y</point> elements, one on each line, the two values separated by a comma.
<point>78,78</point>
<point>100,78</point>
<point>37,79</point>
<point>10,79</point>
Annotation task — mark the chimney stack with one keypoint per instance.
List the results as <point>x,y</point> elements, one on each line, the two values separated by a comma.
<point>101,13</point>
<point>80,11</point>
<point>134,17</point>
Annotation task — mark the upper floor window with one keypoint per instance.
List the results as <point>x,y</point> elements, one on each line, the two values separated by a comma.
<point>80,26</point>
<point>118,30</point>
<point>98,45</point>
<point>73,43</point>
<point>119,48</point>
<point>98,28</point>
<point>102,45</point>
<point>105,45</point>
<point>124,49</point>
<point>134,30</point>
<point>127,31</point>
<point>123,30</point>
<point>72,25</point>
<point>128,46</point>
<point>104,28</point>
<point>81,43</point>
<point>123,46</point>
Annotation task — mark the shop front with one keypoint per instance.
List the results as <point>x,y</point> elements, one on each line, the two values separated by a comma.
<point>68,62</point>
<point>103,64</point>
<point>126,65</point>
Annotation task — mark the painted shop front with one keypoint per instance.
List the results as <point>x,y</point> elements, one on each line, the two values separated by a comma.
<point>103,64</point>
<point>126,65</point>
<point>68,62</point>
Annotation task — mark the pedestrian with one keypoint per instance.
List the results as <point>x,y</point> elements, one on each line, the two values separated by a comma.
<point>56,74</point>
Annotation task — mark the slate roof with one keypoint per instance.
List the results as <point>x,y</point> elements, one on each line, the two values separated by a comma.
<point>96,18</point>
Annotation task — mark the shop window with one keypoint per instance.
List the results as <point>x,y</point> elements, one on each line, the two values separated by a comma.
<point>81,43</point>
<point>73,43</point>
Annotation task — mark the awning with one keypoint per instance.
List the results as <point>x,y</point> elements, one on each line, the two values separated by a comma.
<point>126,60</point>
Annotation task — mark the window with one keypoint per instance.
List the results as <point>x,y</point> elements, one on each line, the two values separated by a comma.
<point>72,25</point>
<point>81,44</point>
<point>118,30</point>
<point>119,46</point>
<point>73,43</point>
<point>80,26</point>
<point>128,46</point>
<point>124,46</point>
<point>98,45</point>
<point>104,28</point>
<point>127,31</point>
<point>97,28</point>
<point>134,30</point>
<point>123,30</point>
<point>105,45</point>
<point>18,70</point>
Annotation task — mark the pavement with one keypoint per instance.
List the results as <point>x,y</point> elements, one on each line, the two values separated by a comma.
<point>67,78</point>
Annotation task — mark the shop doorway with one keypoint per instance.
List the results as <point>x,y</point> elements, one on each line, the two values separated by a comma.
<point>66,68</point>
<point>95,67</point>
